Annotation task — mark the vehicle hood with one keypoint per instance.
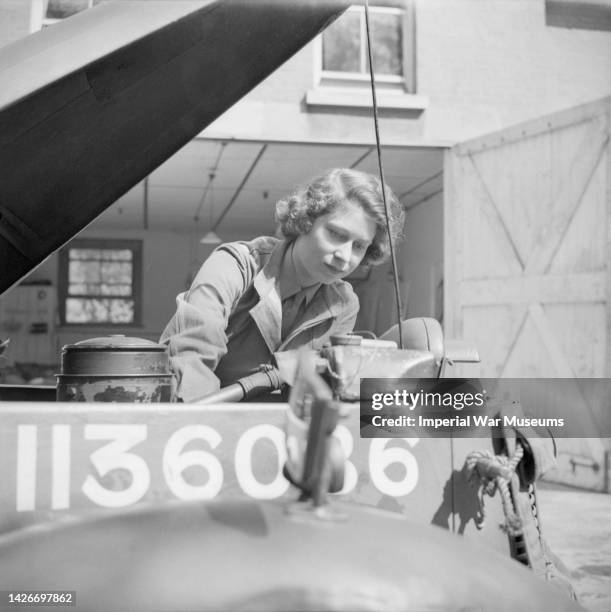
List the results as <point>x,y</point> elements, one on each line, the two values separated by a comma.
<point>91,106</point>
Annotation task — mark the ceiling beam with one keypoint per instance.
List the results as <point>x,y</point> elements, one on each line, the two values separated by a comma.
<point>239,189</point>
<point>424,182</point>
<point>362,157</point>
<point>423,200</point>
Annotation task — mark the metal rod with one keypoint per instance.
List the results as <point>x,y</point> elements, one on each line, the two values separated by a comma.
<point>239,189</point>
<point>379,150</point>
<point>211,177</point>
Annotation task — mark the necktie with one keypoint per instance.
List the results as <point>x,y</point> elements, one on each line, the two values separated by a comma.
<point>293,308</point>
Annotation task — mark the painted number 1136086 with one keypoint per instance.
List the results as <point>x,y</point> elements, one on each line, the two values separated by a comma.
<point>69,465</point>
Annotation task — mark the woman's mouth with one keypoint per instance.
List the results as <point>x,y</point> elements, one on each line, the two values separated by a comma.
<point>334,270</point>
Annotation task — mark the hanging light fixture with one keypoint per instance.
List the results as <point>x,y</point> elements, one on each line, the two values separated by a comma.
<point>210,237</point>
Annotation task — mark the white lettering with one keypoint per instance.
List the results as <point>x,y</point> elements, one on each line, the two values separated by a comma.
<point>175,462</point>
<point>243,462</point>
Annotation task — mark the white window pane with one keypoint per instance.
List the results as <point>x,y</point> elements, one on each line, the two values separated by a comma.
<point>116,272</point>
<point>84,272</point>
<point>121,311</point>
<point>99,289</point>
<point>60,9</point>
<point>88,310</point>
<point>117,254</point>
<point>109,289</point>
<point>84,254</point>
<point>341,44</point>
<point>387,43</point>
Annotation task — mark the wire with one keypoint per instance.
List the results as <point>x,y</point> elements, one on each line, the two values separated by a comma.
<point>379,150</point>
<point>211,177</point>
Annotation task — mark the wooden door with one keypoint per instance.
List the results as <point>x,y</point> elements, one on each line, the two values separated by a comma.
<point>527,248</point>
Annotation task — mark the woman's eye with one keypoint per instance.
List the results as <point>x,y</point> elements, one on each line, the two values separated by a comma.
<point>335,234</point>
<point>360,247</point>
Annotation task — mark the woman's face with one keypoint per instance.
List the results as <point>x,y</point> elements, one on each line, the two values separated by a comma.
<point>335,245</point>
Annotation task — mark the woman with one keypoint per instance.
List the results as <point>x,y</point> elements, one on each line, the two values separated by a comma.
<point>252,299</point>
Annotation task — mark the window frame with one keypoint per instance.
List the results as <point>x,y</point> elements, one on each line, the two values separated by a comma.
<point>39,19</point>
<point>405,83</point>
<point>135,246</point>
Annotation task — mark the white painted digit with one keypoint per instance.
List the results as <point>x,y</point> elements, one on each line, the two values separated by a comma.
<point>381,457</point>
<point>27,446</point>
<point>60,467</point>
<point>342,433</point>
<point>175,462</point>
<point>112,456</point>
<point>243,462</point>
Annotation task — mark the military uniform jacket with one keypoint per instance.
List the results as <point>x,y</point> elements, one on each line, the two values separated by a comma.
<point>230,320</point>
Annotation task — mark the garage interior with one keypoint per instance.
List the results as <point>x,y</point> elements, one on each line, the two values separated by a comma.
<point>215,190</point>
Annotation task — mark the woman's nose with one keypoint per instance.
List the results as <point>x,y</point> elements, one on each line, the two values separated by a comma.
<point>343,252</point>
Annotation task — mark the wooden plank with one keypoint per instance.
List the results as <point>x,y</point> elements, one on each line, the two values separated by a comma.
<point>572,188</point>
<point>576,254</point>
<point>489,210</point>
<point>607,222</point>
<point>530,129</point>
<point>452,236</point>
<point>514,343</point>
<point>579,329</point>
<point>519,179</point>
<point>493,329</point>
<point>547,321</point>
<point>571,288</point>
<point>559,362</point>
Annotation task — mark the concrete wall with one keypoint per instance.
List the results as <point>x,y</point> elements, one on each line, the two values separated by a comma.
<point>14,20</point>
<point>277,110</point>
<point>483,65</point>
<point>488,65</point>
<point>169,260</point>
<point>422,258</point>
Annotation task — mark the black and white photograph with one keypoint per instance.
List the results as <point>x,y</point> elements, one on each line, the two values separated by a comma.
<point>305,305</point>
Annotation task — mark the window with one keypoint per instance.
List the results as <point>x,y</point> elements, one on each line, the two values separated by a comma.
<point>48,12</point>
<point>344,59</point>
<point>100,282</point>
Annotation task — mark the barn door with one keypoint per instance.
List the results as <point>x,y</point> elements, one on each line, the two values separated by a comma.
<point>527,246</point>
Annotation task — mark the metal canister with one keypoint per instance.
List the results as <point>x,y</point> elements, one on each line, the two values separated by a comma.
<point>114,369</point>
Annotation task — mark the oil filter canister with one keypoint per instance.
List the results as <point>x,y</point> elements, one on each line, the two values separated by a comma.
<point>114,369</point>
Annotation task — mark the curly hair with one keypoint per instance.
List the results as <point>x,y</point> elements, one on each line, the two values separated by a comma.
<point>296,213</point>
